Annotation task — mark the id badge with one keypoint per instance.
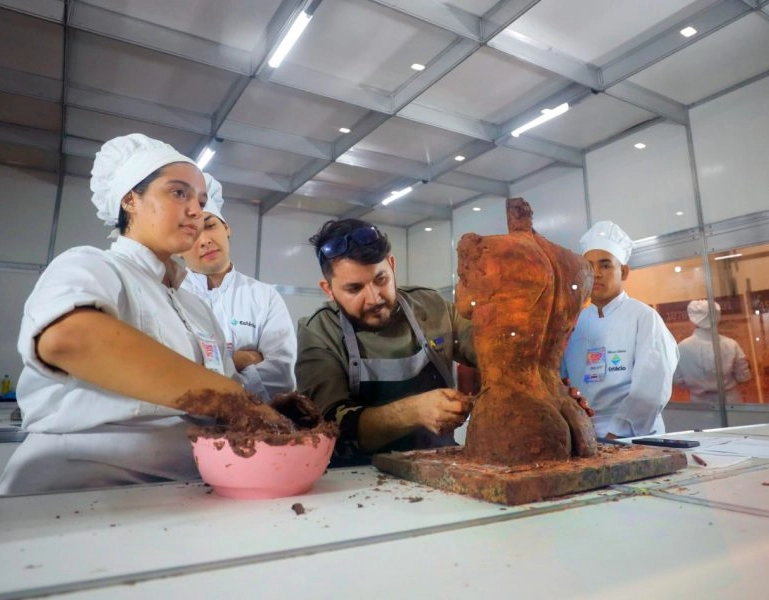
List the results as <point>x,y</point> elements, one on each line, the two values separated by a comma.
<point>212,358</point>
<point>595,366</point>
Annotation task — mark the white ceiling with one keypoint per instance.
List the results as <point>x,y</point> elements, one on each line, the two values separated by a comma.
<point>74,74</point>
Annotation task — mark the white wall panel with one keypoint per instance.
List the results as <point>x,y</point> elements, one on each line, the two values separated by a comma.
<point>641,190</point>
<point>560,213</point>
<point>731,147</point>
<point>16,286</point>
<point>286,256</point>
<point>303,305</point>
<point>491,219</point>
<point>292,260</point>
<point>243,220</point>
<point>26,214</point>
<point>430,256</point>
<point>288,259</point>
<point>78,223</point>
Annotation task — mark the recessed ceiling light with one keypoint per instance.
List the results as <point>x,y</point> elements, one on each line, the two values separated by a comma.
<point>477,208</point>
<point>459,158</point>
<point>344,130</point>
<point>679,213</point>
<point>688,31</point>
<point>418,67</point>
<point>639,145</point>
<point>678,269</point>
<point>428,228</point>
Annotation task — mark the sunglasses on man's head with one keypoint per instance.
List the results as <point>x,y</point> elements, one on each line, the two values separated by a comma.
<point>338,246</point>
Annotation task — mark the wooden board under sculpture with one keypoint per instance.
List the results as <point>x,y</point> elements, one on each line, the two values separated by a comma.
<point>527,439</point>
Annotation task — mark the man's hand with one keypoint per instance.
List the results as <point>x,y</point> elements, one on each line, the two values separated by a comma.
<point>442,410</point>
<point>244,358</point>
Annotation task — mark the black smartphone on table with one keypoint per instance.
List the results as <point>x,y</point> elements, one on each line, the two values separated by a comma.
<point>666,443</point>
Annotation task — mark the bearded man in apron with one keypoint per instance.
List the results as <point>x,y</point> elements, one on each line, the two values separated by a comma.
<point>378,359</point>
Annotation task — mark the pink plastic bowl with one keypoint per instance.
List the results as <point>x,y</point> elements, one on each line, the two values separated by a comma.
<point>272,472</point>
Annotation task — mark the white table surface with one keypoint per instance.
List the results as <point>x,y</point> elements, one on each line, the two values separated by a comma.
<point>700,532</point>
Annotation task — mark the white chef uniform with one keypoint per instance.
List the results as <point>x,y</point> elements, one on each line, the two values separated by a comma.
<point>81,435</point>
<point>634,359</point>
<point>696,369</point>
<point>253,316</point>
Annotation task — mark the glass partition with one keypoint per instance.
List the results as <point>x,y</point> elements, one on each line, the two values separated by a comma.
<point>740,282</point>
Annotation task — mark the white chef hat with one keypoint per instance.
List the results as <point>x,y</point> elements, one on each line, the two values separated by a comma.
<point>608,236</point>
<point>120,164</point>
<point>215,198</point>
<point>699,313</point>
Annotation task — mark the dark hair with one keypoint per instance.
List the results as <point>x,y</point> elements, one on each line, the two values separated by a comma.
<point>122,218</point>
<point>369,254</point>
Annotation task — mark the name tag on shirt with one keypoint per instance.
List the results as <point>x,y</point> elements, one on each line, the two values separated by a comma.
<point>595,365</point>
<point>212,358</point>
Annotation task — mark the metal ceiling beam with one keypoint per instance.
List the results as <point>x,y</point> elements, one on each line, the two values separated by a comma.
<point>471,150</point>
<point>142,110</point>
<point>623,134</point>
<point>269,181</point>
<point>386,163</point>
<point>548,59</point>
<point>502,15</point>
<point>457,52</point>
<point>536,178</point>
<point>670,40</point>
<point>566,155</point>
<point>29,136</point>
<point>360,130</point>
<point>460,21</point>
<point>452,19</point>
<point>427,115</point>
<point>327,85</point>
<point>474,183</point>
<point>364,202</point>
<point>246,133</point>
<point>118,26</point>
<point>30,85</point>
<point>649,101</point>
<point>50,10</point>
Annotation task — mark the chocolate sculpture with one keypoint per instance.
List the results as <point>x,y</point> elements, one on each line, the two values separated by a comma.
<point>523,294</point>
<point>527,439</point>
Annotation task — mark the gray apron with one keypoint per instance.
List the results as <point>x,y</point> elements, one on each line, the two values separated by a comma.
<point>379,381</point>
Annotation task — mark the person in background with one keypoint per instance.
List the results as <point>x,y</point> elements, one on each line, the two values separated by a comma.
<point>696,369</point>
<point>254,317</point>
<point>378,359</point>
<point>620,355</point>
<point>113,350</point>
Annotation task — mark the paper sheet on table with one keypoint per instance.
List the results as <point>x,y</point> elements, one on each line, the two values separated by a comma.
<point>729,446</point>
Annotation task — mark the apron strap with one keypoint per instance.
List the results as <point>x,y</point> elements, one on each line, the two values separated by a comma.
<point>354,366</point>
<point>444,371</point>
<point>353,352</point>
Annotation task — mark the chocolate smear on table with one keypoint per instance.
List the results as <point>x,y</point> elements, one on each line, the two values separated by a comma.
<point>245,420</point>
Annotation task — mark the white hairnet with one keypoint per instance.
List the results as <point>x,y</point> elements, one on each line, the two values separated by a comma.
<point>608,236</point>
<point>699,313</point>
<point>215,198</point>
<point>120,164</point>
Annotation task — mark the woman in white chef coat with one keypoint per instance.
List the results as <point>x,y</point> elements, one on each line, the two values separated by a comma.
<point>112,348</point>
